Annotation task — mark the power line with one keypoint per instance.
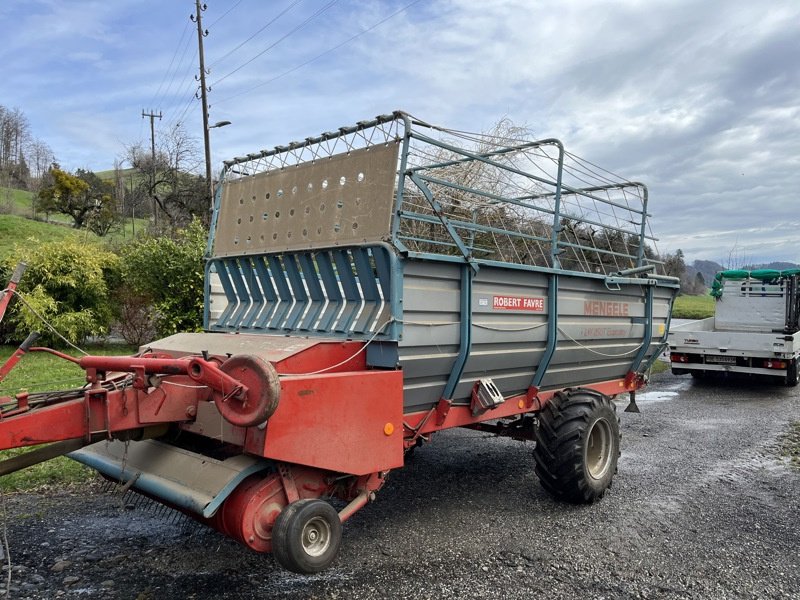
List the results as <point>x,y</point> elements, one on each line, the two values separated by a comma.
<point>225,14</point>
<point>181,62</point>
<point>280,14</point>
<point>318,56</point>
<point>185,88</point>
<point>265,50</point>
<point>171,62</point>
<point>179,118</point>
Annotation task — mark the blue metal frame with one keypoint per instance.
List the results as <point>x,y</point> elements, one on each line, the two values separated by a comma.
<point>465,344</point>
<point>339,292</point>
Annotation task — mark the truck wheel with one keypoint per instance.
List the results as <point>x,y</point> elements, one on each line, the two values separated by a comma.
<point>306,536</point>
<point>577,445</point>
<point>792,374</point>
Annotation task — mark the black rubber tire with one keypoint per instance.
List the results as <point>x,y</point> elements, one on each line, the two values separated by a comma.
<point>292,544</point>
<point>577,445</point>
<point>792,374</point>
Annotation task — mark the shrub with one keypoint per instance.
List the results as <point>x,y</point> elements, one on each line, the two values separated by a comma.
<point>168,272</point>
<point>69,284</point>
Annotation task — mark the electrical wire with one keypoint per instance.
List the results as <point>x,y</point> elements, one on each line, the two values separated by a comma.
<point>278,41</point>
<point>318,56</point>
<point>171,62</point>
<point>349,358</point>
<point>43,320</point>
<point>181,63</point>
<point>270,22</point>
<point>226,13</point>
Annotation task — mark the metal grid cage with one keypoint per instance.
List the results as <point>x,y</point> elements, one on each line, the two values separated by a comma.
<point>490,197</point>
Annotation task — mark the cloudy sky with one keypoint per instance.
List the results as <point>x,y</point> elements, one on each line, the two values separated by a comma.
<point>700,100</point>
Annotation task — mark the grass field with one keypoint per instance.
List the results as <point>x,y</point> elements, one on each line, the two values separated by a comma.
<point>38,372</point>
<point>693,307</point>
<point>16,230</point>
<point>17,201</point>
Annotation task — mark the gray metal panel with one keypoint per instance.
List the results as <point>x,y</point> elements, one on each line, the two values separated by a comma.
<point>192,481</point>
<point>338,200</point>
<point>273,348</point>
<point>751,305</point>
<point>431,321</point>
<point>600,330</point>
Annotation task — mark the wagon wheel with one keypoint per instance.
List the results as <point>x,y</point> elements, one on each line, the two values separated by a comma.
<point>306,536</point>
<point>577,445</point>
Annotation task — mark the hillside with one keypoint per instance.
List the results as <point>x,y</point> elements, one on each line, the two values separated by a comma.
<point>17,223</point>
<point>709,268</point>
<point>16,230</point>
<point>14,201</point>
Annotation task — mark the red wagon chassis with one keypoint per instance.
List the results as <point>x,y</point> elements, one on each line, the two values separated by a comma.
<point>334,431</point>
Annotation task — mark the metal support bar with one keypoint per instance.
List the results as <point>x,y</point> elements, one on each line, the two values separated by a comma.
<point>552,332</point>
<point>554,250</point>
<point>5,297</point>
<point>23,349</point>
<point>466,333</point>
<point>648,329</point>
<point>445,221</point>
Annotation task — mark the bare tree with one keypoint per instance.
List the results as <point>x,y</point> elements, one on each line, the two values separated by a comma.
<point>40,157</point>
<point>14,137</point>
<point>170,179</point>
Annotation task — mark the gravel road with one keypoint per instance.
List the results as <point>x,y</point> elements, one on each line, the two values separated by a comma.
<point>702,507</point>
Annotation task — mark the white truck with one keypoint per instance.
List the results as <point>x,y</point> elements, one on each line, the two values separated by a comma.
<point>754,329</point>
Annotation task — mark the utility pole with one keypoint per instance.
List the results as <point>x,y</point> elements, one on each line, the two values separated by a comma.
<point>197,18</point>
<point>153,155</point>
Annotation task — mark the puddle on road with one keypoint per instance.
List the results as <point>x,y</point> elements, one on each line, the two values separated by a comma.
<point>653,397</point>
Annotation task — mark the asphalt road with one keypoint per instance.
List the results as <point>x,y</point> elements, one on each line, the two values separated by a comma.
<point>702,507</point>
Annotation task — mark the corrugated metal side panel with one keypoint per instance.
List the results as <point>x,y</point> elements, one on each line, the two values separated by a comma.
<point>431,322</point>
<point>506,343</point>
<point>600,330</point>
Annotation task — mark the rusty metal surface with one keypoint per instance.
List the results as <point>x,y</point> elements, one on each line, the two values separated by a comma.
<point>344,199</point>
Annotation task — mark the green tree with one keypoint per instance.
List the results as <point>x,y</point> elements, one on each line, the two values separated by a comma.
<point>69,285</point>
<point>168,273</point>
<point>83,196</point>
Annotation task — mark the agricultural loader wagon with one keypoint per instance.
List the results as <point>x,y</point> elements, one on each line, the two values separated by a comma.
<point>365,289</point>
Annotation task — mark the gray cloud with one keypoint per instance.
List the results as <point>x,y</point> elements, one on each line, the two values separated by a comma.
<point>699,100</point>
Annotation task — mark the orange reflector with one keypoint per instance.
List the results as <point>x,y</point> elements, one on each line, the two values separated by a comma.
<point>521,404</point>
<point>388,429</point>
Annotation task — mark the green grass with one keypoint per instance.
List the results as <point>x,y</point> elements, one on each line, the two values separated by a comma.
<point>693,307</point>
<point>38,372</point>
<point>659,366</point>
<point>19,201</point>
<point>16,230</point>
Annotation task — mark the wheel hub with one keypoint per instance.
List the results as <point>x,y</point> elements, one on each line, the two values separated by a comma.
<point>316,537</point>
<point>598,449</point>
